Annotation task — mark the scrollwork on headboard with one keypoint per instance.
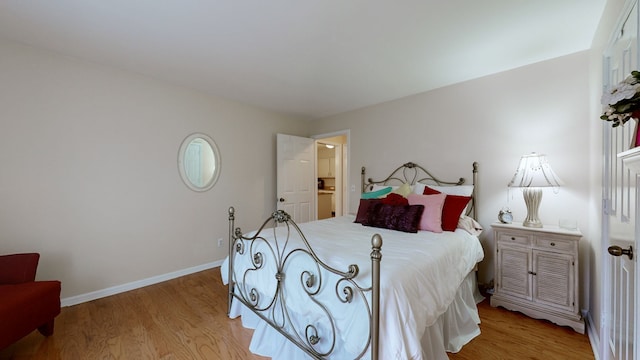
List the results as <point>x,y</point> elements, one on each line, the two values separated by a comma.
<point>413,173</point>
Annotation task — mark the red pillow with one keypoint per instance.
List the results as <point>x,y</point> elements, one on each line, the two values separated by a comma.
<point>430,191</point>
<point>451,210</point>
<point>395,199</point>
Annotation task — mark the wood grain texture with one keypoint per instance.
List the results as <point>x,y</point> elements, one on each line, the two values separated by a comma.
<point>185,318</point>
<point>512,335</point>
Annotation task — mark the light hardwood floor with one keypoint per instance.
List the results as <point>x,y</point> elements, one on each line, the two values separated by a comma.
<point>185,318</point>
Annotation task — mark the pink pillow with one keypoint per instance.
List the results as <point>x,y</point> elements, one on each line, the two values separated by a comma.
<point>432,215</point>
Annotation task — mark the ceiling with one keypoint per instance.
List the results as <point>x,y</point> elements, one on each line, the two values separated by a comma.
<point>311,58</point>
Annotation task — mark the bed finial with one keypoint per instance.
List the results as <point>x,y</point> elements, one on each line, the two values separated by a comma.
<point>376,241</point>
<point>376,256</point>
<point>232,212</point>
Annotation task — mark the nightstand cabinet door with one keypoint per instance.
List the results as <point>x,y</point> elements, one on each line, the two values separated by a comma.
<point>512,277</point>
<point>536,273</point>
<point>553,280</point>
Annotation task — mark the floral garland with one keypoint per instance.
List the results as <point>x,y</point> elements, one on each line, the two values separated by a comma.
<point>622,101</point>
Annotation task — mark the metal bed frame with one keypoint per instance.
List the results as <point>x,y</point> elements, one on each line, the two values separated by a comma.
<point>274,310</point>
<point>410,173</point>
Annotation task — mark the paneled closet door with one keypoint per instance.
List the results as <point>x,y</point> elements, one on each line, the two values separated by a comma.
<point>619,220</point>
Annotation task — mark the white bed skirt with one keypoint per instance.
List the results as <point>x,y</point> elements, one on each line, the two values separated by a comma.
<point>453,329</point>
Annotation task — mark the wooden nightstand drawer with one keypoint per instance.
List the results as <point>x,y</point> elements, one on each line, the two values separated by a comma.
<point>550,243</point>
<point>514,238</point>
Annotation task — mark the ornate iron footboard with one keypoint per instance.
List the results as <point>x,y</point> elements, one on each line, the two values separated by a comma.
<point>312,281</point>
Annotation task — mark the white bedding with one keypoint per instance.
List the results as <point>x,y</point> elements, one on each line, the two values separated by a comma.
<point>420,278</point>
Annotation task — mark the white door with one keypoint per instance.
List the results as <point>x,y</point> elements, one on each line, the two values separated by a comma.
<point>296,185</point>
<point>620,226</point>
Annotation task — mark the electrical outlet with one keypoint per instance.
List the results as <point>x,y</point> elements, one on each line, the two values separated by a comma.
<point>220,242</point>
<point>353,188</point>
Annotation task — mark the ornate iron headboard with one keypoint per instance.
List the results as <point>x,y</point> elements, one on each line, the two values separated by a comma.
<point>412,173</point>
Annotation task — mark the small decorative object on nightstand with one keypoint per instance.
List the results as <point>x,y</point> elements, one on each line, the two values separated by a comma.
<point>505,216</point>
<point>537,272</point>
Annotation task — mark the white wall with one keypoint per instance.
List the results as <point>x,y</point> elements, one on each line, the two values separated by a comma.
<point>89,170</point>
<point>492,120</point>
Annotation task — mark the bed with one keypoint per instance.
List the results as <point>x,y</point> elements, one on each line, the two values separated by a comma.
<point>331,289</point>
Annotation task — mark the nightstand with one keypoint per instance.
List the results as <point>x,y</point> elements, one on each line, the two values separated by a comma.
<point>536,272</point>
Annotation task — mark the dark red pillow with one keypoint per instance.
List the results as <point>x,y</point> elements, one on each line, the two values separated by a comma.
<point>430,191</point>
<point>395,199</point>
<point>451,210</point>
<point>404,218</point>
<point>364,206</point>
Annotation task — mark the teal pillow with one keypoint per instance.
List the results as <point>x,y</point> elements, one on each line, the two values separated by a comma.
<point>376,194</point>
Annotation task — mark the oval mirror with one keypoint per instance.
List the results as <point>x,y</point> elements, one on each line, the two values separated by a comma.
<point>199,162</point>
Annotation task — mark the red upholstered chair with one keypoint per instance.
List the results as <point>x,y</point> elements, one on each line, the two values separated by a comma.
<point>25,304</point>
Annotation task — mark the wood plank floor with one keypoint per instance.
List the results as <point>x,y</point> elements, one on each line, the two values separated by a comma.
<point>185,318</point>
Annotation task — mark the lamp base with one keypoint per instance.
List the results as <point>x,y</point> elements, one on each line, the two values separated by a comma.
<point>532,198</point>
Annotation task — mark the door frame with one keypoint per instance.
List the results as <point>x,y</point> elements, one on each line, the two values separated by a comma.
<point>610,208</point>
<point>346,160</point>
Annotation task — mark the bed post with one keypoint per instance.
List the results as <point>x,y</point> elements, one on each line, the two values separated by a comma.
<point>475,190</point>
<point>376,256</point>
<point>230,259</point>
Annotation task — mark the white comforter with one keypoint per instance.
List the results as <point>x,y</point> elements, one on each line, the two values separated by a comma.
<point>420,274</point>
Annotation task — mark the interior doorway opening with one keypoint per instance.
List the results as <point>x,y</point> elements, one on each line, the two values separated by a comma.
<point>331,171</point>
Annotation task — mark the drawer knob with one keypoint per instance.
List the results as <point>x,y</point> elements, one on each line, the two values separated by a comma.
<point>553,244</point>
<point>513,238</point>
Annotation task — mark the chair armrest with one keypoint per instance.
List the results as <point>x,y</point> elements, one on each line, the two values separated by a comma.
<point>18,268</point>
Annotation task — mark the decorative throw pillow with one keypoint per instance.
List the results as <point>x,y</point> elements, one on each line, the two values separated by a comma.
<point>402,218</point>
<point>431,219</point>
<point>395,199</point>
<point>470,225</point>
<point>462,190</point>
<point>451,211</point>
<point>364,206</point>
<point>404,190</point>
<point>376,194</point>
<point>376,187</point>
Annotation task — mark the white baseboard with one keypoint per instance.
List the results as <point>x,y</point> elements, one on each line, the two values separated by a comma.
<point>592,331</point>
<point>78,299</point>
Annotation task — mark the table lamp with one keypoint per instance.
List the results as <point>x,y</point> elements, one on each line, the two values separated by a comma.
<point>534,173</point>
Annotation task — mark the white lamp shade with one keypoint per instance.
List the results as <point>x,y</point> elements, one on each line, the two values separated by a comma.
<point>534,171</point>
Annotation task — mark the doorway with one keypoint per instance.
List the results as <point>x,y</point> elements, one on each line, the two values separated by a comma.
<point>331,172</point>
